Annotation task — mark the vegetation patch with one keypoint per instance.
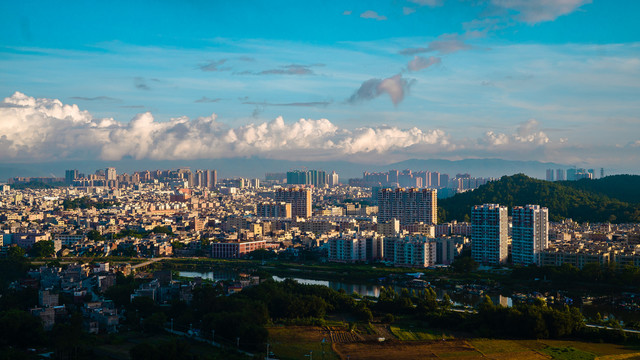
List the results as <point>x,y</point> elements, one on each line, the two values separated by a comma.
<point>568,353</point>
<point>294,342</point>
<point>411,334</point>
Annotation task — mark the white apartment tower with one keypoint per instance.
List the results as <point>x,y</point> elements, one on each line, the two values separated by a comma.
<point>333,179</point>
<point>408,205</point>
<point>529,234</point>
<point>110,174</point>
<point>489,233</point>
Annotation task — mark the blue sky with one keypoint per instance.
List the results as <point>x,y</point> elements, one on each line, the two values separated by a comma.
<point>375,81</point>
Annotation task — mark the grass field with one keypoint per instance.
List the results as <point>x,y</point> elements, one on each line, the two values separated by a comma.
<point>294,342</point>
<point>568,353</point>
<point>413,334</point>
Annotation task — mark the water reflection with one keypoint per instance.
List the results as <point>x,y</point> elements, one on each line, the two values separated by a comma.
<point>360,289</point>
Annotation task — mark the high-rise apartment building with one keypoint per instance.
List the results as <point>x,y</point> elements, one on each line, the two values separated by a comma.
<point>333,179</point>
<point>274,209</point>
<point>489,232</point>
<point>560,175</point>
<point>300,200</point>
<point>206,179</point>
<point>199,179</point>
<point>549,174</point>
<point>434,182</point>
<point>408,205</point>
<point>529,233</point>
<point>110,174</point>
<point>307,177</point>
<point>70,175</point>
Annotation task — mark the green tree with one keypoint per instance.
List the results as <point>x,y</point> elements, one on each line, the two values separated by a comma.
<point>94,235</point>
<point>16,252</point>
<point>162,230</point>
<point>464,264</point>
<point>20,329</point>
<point>42,249</point>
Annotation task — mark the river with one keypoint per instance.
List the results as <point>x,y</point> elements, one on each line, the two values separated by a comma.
<point>360,289</point>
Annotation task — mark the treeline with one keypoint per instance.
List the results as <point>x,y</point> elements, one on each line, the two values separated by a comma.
<point>246,314</point>
<point>37,185</point>
<point>243,315</point>
<point>610,274</point>
<point>563,201</point>
<point>87,203</point>
<point>95,235</point>
<point>622,187</point>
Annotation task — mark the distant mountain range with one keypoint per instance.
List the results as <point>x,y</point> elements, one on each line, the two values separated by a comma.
<point>257,167</point>
<point>613,198</point>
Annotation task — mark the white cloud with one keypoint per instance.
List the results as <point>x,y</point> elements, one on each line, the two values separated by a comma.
<point>48,130</point>
<point>408,10</point>
<point>370,14</point>
<point>431,3</point>
<point>536,11</point>
<point>527,133</point>
<point>45,129</point>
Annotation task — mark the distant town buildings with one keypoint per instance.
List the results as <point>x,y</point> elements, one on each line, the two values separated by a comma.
<point>421,179</point>
<point>572,174</point>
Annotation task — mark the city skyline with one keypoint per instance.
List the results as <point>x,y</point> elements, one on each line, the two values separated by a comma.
<point>375,83</point>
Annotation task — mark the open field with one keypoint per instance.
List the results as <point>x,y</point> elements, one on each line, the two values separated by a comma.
<point>412,334</point>
<point>120,349</point>
<point>294,342</point>
<point>406,350</point>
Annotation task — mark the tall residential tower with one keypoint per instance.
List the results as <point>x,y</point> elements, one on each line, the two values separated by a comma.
<point>530,233</point>
<point>408,205</point>
<point>489,232</point>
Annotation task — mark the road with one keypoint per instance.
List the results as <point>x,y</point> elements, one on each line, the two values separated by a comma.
<point>143,264</point>
<point>612,328</point>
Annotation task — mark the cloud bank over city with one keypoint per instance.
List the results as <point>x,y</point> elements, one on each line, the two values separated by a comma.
<point>377,82</point>
<point>46,129</point>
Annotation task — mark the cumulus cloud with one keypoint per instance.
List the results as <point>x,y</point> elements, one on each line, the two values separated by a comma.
<point>47,130</point>
<point>370,14</point>
<point>32,129</point>
<point>396,87</point>
<point>527,133</point>
<point>533,12</point>
<point>418,63</point>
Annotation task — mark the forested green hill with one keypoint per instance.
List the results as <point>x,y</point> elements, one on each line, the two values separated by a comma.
<point>622,187</point>
<point>563,201</point>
